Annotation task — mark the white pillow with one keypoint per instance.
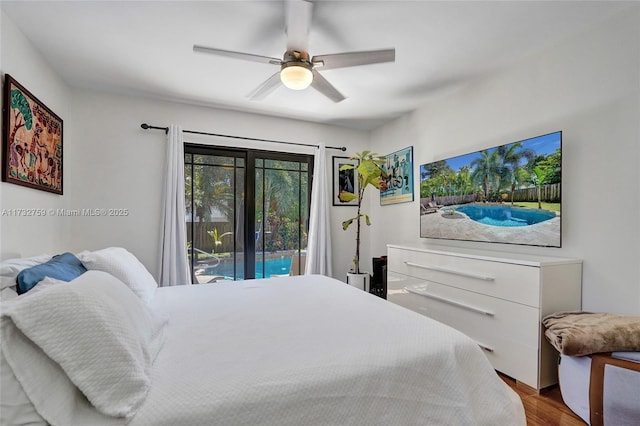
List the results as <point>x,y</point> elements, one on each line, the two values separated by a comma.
<point>46,283</point>
<point>123,265</point>
<point>97,331</point>
<point>10,268</point>
<point>7,294</point>
<point>15,406</point>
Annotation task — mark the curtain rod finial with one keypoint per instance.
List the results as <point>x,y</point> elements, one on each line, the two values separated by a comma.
<point>144,126</point>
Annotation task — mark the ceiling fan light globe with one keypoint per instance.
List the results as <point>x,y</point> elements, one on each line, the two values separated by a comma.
<point>296,77</point>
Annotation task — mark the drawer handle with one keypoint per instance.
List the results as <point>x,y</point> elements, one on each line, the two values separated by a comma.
<point>451,271</point>
<point>486,348</point>
<point>449,301</point>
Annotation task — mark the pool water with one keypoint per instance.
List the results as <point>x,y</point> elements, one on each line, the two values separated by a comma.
<point>271,267</point>
<point>505,216</point>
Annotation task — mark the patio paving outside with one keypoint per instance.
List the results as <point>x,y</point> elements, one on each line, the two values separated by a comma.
<point>458,226</point>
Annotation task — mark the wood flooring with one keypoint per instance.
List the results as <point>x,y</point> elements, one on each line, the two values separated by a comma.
<point>546,408</point>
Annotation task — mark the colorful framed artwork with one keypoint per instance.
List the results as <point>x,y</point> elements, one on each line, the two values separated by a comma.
<point>344,180</point>
<point>399,169</point>
<point>31,140</point>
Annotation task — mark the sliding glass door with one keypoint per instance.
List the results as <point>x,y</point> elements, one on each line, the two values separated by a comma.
<point>281,215</point>
<point>247,212</point>
<point>214,190</point>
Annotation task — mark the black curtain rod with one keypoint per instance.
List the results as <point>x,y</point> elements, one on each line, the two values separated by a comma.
<point>166,129</point>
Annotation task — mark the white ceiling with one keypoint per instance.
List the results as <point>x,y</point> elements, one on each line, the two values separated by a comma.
<point>145,48</point>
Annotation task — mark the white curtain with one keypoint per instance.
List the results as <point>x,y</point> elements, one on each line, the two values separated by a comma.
<point>319,241</point>
<point>173,245</point>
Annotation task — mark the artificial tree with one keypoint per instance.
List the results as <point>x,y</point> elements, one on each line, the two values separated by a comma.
<point>369,173</point>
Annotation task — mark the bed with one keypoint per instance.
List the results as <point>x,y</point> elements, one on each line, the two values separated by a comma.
<point>283,351</point>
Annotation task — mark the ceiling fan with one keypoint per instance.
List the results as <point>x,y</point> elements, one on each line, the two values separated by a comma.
<point>299,70</point>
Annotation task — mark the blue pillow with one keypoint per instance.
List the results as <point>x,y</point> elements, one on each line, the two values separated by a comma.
<point>63,267</point>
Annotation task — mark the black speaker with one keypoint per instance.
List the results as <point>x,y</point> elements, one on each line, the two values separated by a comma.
<point>378,285</point>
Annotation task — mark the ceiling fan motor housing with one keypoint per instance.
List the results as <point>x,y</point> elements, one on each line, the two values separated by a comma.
<point>296,58</point>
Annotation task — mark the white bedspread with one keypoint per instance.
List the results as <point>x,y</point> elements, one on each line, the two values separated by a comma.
<point>313,351</point>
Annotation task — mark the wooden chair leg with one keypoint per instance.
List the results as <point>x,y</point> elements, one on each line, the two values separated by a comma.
<point>596,383</point>
<point>596,390</point>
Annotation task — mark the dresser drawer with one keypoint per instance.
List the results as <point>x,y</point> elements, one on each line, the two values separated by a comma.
<point>507,331</point>
<point>518,283</point>
<point>497,299</point>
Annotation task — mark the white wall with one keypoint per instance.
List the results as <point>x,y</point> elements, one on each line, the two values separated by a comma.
<point>110,162</point>
<point>588,87</point>
<point>116,164</point>
<point>33,235</point>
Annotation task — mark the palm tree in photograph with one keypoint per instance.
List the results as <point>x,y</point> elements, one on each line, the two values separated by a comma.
<point>463,183</point>
<point>511,156</point>
<point>539,177</point>
<point>486,171</point>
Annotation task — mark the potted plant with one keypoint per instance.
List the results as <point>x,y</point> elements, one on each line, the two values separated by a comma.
<point>370,173</point>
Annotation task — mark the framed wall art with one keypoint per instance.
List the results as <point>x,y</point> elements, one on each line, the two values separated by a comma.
<point>31,140</point>
<point>399,169</point>
<point>508,194</point>
<point>344,180</point>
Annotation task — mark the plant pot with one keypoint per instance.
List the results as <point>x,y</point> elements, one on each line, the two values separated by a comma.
<point>360,281</point>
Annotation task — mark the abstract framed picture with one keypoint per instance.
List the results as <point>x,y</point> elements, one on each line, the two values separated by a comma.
<point>344,180</point>
<point>31,140</point>
<point>399,169</point>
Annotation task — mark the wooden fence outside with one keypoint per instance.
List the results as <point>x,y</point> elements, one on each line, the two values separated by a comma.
<point>548,194</point>
<point>203,241</point>
<point>450,200</point>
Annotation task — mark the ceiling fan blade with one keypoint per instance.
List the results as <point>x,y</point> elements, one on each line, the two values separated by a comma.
<point>323,86</point>
<point>269,85</point>
<point>352,59</point>
<point>237,55</point>
<point>297,23</point>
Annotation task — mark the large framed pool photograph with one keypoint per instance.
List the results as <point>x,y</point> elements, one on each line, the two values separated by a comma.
<point>507,194</point>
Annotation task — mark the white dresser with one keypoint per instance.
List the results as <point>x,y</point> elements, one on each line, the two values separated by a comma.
<point>497,299</point>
